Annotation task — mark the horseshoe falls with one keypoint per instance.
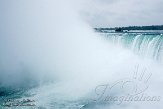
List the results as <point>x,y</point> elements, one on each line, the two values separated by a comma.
<point>145,44</point>
<point>50,58</point>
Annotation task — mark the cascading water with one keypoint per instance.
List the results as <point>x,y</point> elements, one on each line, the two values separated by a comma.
<point>145,45</point>
<point>50,56</point>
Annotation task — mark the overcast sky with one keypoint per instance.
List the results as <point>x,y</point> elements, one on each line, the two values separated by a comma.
<point>110,13</point>
<point>104,13</point>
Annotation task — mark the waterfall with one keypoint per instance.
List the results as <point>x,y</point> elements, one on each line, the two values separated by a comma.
<point>50,55</point>
<point>145,45</point>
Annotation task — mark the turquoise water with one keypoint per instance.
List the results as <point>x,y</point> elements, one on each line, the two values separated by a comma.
<point>144,44</point>
<point>50,96</point>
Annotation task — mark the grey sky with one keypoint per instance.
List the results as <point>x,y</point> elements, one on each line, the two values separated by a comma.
<point>110,13</point>
<point>97,13</point>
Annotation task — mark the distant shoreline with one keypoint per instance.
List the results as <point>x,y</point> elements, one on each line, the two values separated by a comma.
<point>153,27</point>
